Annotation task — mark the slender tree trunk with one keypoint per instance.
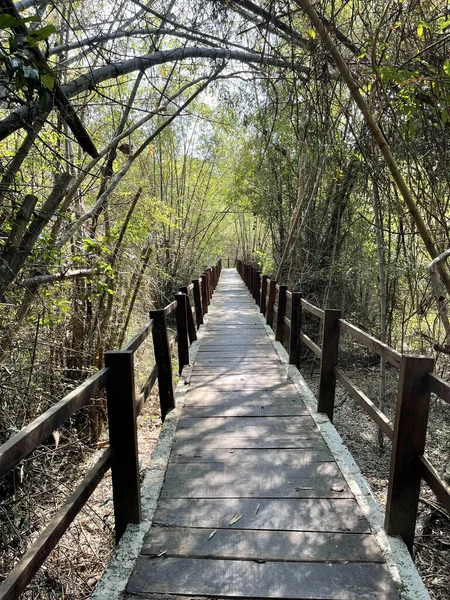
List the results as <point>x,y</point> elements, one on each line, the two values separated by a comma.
<point>381,253</point>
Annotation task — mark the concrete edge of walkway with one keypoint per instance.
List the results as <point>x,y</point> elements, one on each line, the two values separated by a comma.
<point>398,559</point>
<point>114,580</point>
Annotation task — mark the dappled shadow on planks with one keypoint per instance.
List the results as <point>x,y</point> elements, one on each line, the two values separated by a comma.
<point>253,503</point>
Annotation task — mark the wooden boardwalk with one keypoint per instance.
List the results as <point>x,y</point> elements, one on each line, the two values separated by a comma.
<point>253,503</point>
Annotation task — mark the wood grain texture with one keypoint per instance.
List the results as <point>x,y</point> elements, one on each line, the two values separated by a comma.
<point>287,514</point>
<point>261,545</point>
<point>248,579</point>
<point>219,480</point>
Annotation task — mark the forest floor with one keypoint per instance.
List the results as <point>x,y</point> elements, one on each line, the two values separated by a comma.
<point>432,544</point>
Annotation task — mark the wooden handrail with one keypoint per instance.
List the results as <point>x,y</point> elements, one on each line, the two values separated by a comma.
<point>435,482</point>
<point>366,403</point>
<point>439,386</point>
<point>140,337</point>
<point>21,445</point>
<point>311,345</point>
<point>314,310</point>
<point>367,340</point>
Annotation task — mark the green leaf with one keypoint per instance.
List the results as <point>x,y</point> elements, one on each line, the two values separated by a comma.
<point>8,21</point>
<point>446,67</point>
<point>47,81</point>
<point>41,34</point>
<point>421,26</point>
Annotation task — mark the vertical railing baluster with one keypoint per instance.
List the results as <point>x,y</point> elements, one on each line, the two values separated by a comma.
<point>182,331</point>
<point>163,360</point>
<point>330,351</point>
<point>264,294</point>
<point>279,333</point>
<point>204,286</point>
<point>123,439</point>
<point>410,429</point>
<point>198,303</point>
<point>271,302</point>
<point>190,316</point>
<point>296,325</point>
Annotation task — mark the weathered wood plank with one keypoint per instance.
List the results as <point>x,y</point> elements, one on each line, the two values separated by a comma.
<point>311,439</point>
<point>289,514</point>
<point>221,480</point>
<point>291,458</point>
<point>261,545</point>
<point>246,426</point>
<point>243,384</point>
<point>281,409</point>
<point>229,398</point>
<point>239,380</point>
<point>248,579</point>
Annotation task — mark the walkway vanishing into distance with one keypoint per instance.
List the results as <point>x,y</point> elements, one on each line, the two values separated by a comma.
<point>253,503</point>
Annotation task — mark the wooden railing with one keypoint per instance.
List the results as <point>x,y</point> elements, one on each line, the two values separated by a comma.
<point>117,377</point>
<point>283,311</point>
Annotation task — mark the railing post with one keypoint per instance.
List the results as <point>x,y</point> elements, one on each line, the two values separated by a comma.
<point>271,302</point>
<point>264,294</point>
<point>296,325</point>
<point>204,281</point>
<point>163,360</point>
<point>330,350</point>
<point>258,288</point>
<point>228,262</point>
<point>410,428</point>
<point>190,317</point>
<point>198,303</point>
<point>123,439</point>
<point>182,330</point>
<point>279,334</point>
<point>210,286</point>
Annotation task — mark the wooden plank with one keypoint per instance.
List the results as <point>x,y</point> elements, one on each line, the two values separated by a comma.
<point>312,439</point>
<point>246,410</point>
<point>239,379</point>
<point>249,579</point>
<point>237,366</point>
<point>222,480</point>
<point>246,426</point>
<point>241,384</point>
<point>286,458</point>
<point>289,514</point>
<point>286,546</point>
<point>216,358</point>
